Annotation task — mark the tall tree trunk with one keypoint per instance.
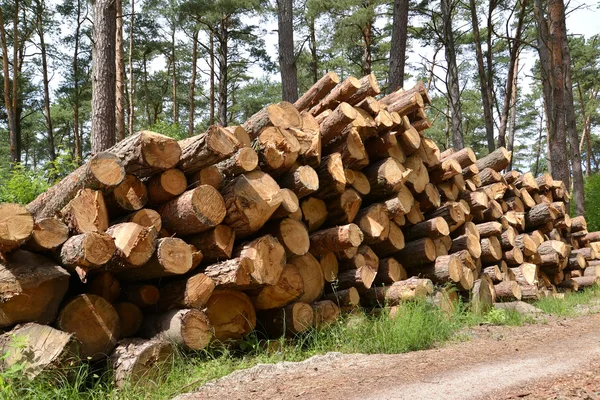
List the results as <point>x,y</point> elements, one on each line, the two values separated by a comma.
<point>193,81</point>
<point>452,84</point>
<point>539,146</point>
<point>483,83</point>
<point>314,62</point>
<point>398,45</point>
<point>103,76</point>
<point>514,54</point>
<point>120,67</point>
<point>586,133</point>
<point>146,91</point>
<point>513,113</point>
<point>571,122</point>
<point>17,105</point>
<point>46,83</point>
<point>131,78</point>
<point>14,156</point>
<point>223,80</point>
<point>287,59</point>
<point>211,106</point>
<point>174,65</point>
<point>76,131</point>
<point>367,34</point>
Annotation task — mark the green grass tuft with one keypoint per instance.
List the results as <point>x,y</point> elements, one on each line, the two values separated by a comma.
<point>570,305</point>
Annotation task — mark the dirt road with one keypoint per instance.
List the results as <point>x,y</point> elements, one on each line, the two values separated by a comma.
<point>557,360</point>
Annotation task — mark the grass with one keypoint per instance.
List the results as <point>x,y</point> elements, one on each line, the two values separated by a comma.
<point>415,326</point>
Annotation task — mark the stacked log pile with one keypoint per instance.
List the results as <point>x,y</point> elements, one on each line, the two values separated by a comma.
<point>305,211</point>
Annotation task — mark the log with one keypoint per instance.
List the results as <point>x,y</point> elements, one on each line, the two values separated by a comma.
<point>240,134</point>
<point>266,256</point>
<point>104,171</point>
<point>289,207</point>
<point>374,223</point>
<point>135,245</point>
<point>483,295</point>
<point>288,321</point>
<point>166,186</point>
<point>287,290</point>
<point>362,279</point>
<point>129,195</point>
<point>401,203</point>
<point>277,149</point>
<point>540,215</point>
<point>508,291</point>
<point>314,213</point>
<point>341,92</point>
<point>578,224</point>
<point>418,178</point>
<point>291,234</point>
<point>105,285</point>
<point>467,242</point>
<point>189,328</point>
<point>172,256</point>
<point>399,292</point>
<point>301,179</point>
<point>326,313</point>
<point>465,157</point>
<point>386,178</point>
<point>231,314</point>
<point>445,269</point>
<point>145,217</point>
<point>345,299</point>
<point>389,271</point>
<point>250,200</point>
<point>47,235</point>
<point>130,318</point>
<point>317,91</point>
<point>329,266</point>
<point>568,285</point>
<point>526,274</point>
<point>493,272</point>
<point>351,147</point>
<point>37,349</point>
<point>342,210</point>
<point>488,229</point>
<point>433,228</point>
<point>587,281</point>
<point>147,153</point>
<point>430,198</point>
<point>242,161</point>
<point>94,322</point>
<point>491,250</point>
<point>86,212</point>
<point>335,122</point>
<point>496,160</point>
<point>392,244</point>
<point>210,147</point>
<point>575,262</point>
<point>282,115</point>
<point>32,288</point>
<point>231,274</point>
<point>216,244</point>
<point>142,295</point>
<point>331,177</point>
<point>195,211</point>
<point>335,239</point>
<point>87,251</point>
<point>360,183</point>
<point>513,256</point>
<point>417,253</point>
<point>554,247</point>
<point>312,276</point>
<point>190,292</point>
<point>141,363</point>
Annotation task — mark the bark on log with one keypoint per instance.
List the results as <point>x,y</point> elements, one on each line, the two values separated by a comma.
<point>417,253</point>
<point>508,291</point>
<point>410,289</point>
<point>266,256</point>
<point>326,313</point>
<point>282,115</point>
<point>287,290</point>
<point>142,295</point>
<point>145,217</point>
<point>483,295</point>
<point>210,147</point>
<point>314,213</point>
<point>87,251</point>
<point>389,271</point>
<point>301,179</point>
<point>433,228</point>
<point>392,244</point>
<point>335,239</point>
<point>374,223</point>
<point>191,292</point>
<point>291,234</point>
<point>317,91</point>
<point>342,210</point>
<point>345,299</point>
<point>231,313</point>
<point>331,177</point>
<point>335,122</point>
<point>445,269</point>
<point>216,244</point>
<point>277,149</point>
<point>385,177</point>
<point>129,195</point>
<point>587,281</point>
<point>312,276</point>
<point>86,212</point>
<point>194,211</point>
<point>135,245</point>
<point>491,250</point>
<point>540,215</point>
<point>141,363</point>
<point>166,186</point>
<point>496,160</point>
<point>231,274</point>
<point>189,328</point>
<point>289,207</point>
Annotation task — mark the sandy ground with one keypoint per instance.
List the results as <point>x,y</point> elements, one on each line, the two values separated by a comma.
<point>557,360</point>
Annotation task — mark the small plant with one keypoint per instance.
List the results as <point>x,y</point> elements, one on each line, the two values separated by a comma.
<point>498,316</point>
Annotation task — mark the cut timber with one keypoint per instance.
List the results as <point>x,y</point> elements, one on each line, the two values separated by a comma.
<point>331,176</point>
<point>267,259</point>
<point>540,215</point>
<point>329,266</point>
<point>477,201</point>
<point>326,313</point>
<point>491,250</point>
<point>401,203</point>
<point>467,242</point>
<point>335,239</point>
<point>287,290</point>
<point>362,279</point>
<point>392,244</point>
<point>289,207</point>
<point>527,182</point>
<point>418,178</point>
<point>142,295</point>
<point>488,229</point>
<point>430,197</point>
<point>191,292</point>
<point>189,328</point>
<point>433,228</point>
<point>105,285</point>
<point>103,171</point>
<point>38,349</point>
<point>340,93</point>
<point>578,224</point>
<point>465,157</point>
<point>416,253</point>
<point>389,271</point>
<point>508,291</point>
<point>445,170</point>
<point>145,217</point>
<point>374,223</point>
<point>242,161</point>
<point>493,272</point>
<point>277,149</point>
<point>399,292</point>
<point>250,201</point>
<point>32,288</point>
<point>343,209</point>
<point>135,245</point>
<point>526,274</point>
<point>445,269</point>
<point>312,276</point>
<point>291,234</point>
<point>489,176</point>
<point>483,295</point>
<point>231,274</point>
<point>352,149</point>
<point>309,139</point>
<point>94,322</point>
<point>314,213</point>
<point>301,179</point>
<point>513,256</point>
<point>335,122</point>
<point>172,256</point>
<point>282,115</point>
<point>317,91</point>
<point>129,195</point>
<point>87,251</point>
<point>141,363</point>
<point>231,313</point>
<point>216,244</point>
<point>166,186</point>
<point>130,318</point>
<point>385,177</point>
<point>496,160</point>
<point>587,281</point>
<point>530,292</point>
<point>554,247</point>
<point>210,147</point>
<point>346,298</point>
<point>48,234</point>
<point>86,212</point>
<point>289,321</point>
<point>194,211</point>
<point>240,134</point>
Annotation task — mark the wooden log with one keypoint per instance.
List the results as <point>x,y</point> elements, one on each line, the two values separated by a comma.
<point>331,177</point>
<point>568,285</point>
<point>32,288</point>
<point>385,178</point>
<point>417,253</point>
<point>289,207</point>
<point>314,213</point>
<point>135,245</point>
<point>142,295</point>
<point>335,239</point>
<point>103,171</point>
<point>231,313</point>
<point>451,212</point>
<point>409,140</point>
<point>87,251</point>
<point>508,291</point>
<point>210,147</point>
<point>493,272</point>
<point>37,349</point>
<point>433,228</point>
<point>370,104</point>
<point>513,256</point>
<point>389,271</point>
<point>288,321</point>
<point>578,224</point>
<point>277,149</point>
<point>430,198</point>
<point>467,242</point>
<point>287,290</point>
<point>329,266</point>
<point>190,292</point>
<point>392,244</point>
<point>94,322</point>
<point>445,269</point>
<point>130,195</point>
<point>465,157</point>
<point>105,285</point>
<point>335,122</point>
<point>374,223</point>
<point>418,177</point>
<point>352,149</point>
<point>343,209</point>
<point>141,363</point>
<point>340,93</point>
<point>301,179</point>
<point>491,250</point>
<point>401,203</point>
<point>312,276</point>
<point>194,211</point>
<point>309,139</point>
<point>362,279</point>
<point>172,256</point>
<point>345,299</point>
<point>496,160</point>
<point>166,186</point>
<point>378,147</point>
<point>488,229</point>
<point>593,269</point>
<point>575,262</point>
<point>130,318</point>
<point>189,328</point>
<point>587,281</point>
<point>326,313</point>
<point>86,212</point>
<point>291,234</point>
<point>250,200</point>
<point>360,183</point>
<point>554,246</point>
<point>231,274</point>
<point>526,274</point>
<point>317,91</point>
<point>540,215</point>
<point>445,170</point>
<point>242,161</point>
<point>410,289</point>
<point>266,256</point>
<point>144,217</point>
<point>216,244</point>
<point>47,235</point>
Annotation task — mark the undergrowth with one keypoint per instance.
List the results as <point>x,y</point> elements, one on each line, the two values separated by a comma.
<point>570,305</point>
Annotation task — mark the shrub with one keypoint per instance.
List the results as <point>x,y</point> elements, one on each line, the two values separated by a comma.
<point>592,202</point>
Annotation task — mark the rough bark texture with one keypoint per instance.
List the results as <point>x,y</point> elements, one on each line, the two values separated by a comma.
<point>287,58</point>
<point>141,363</point>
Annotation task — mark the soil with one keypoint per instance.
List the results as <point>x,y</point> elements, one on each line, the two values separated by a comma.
<point>556,359</point>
